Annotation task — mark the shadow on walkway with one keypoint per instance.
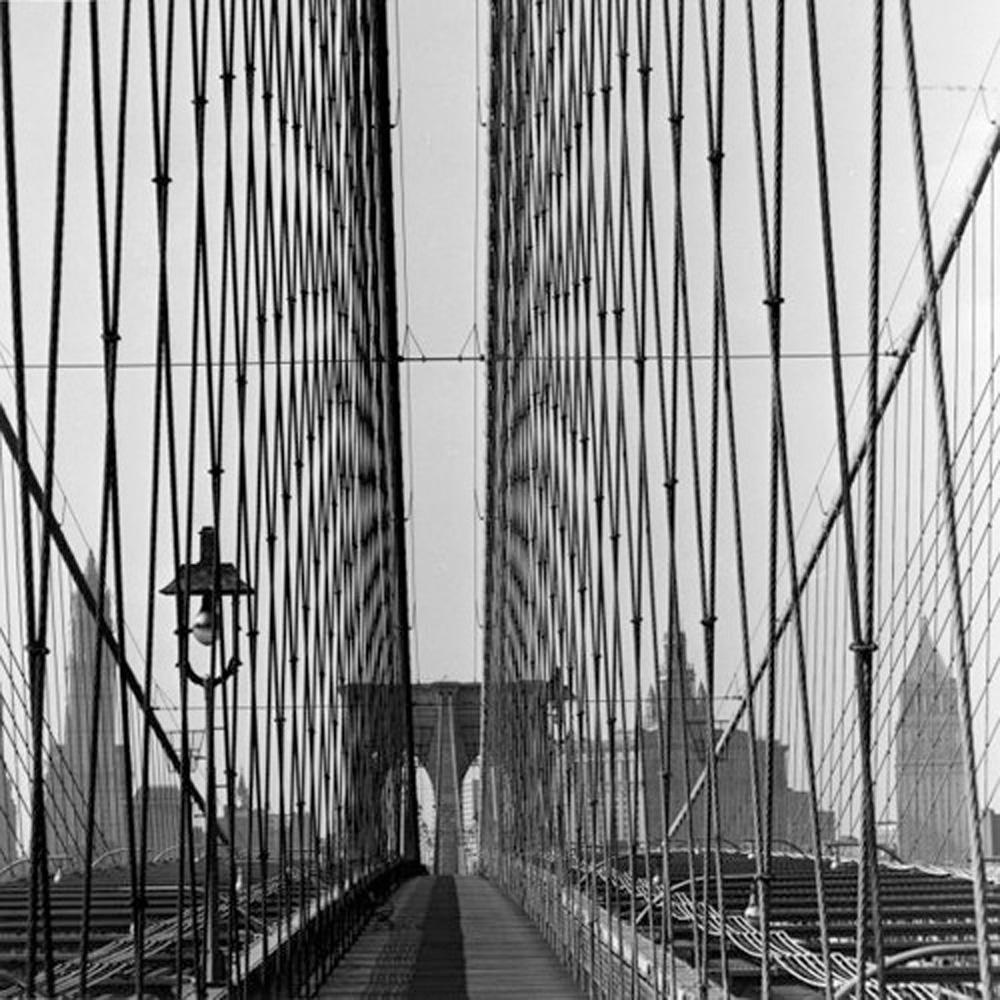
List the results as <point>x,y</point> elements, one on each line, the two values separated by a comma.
<point>450,938</point>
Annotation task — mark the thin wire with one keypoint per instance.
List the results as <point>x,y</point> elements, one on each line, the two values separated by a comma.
<point>945,460</point>
<point>475,358</point>
<point>39,891</point>
<point>477,351</point>
<point>400,147</point>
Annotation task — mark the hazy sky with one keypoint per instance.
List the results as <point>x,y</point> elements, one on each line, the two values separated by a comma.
<point>438,136</point>
<point>439,67</point>
<point>438,147</point>
<point>438,143</point>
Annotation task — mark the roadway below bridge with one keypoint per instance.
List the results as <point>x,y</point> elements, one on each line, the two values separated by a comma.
<point>454,937</point>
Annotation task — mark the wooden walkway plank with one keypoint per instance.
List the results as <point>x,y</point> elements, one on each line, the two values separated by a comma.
<point>443,937</point>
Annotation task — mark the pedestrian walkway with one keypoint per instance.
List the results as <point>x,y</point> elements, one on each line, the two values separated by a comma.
<point>446,938</point>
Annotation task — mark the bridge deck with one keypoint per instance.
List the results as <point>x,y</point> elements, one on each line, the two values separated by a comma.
<point>448,938</point>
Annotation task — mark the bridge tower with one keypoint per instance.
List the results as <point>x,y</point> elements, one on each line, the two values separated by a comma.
<point>446,741</point>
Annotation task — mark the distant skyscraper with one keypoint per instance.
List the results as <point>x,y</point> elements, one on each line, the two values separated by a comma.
<point>163,819</point>
<point>685,705</point>
<point>8,807</point>
<point>930,774</point>
<point>70,769</point>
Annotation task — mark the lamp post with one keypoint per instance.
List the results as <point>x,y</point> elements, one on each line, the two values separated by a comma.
<point>210,580</point>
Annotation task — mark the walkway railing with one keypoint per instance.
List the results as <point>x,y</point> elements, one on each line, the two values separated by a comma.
<point>204,630</point>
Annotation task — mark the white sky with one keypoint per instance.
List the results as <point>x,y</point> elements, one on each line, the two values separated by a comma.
<point>439,137</point>
<point>438,69</point>
<point>440,141</point>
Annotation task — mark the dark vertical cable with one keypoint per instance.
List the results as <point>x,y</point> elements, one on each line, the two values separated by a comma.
<point>39,896</point>
<point>868,882</point>
<point>411,847</point>
<point>948,489</point>
<point>871,481</point>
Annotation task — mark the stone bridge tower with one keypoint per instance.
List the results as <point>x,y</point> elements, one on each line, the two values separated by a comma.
<point>446,742</point>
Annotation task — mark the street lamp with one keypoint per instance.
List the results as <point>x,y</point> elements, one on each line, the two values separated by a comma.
<point>210,580</point>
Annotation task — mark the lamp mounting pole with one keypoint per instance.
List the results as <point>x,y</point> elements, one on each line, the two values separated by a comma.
<point>210,580</point>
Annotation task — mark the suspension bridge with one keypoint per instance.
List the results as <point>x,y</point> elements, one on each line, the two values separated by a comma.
<point>733,727</point>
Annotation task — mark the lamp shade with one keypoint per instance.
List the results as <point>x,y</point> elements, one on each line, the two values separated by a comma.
<point>207,575</point>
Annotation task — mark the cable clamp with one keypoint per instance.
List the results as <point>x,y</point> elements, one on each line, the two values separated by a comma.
<point>863,647</point>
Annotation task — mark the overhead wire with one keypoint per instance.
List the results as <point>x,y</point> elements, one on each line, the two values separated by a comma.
<point>289,356</point>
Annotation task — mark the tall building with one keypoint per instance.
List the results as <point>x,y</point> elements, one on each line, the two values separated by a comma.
<point>609,782</point>
<point>930,773</point>
<point>8,807</point>
<point>163,819</point>
<point>69,774</point>
<point>256,832</point>
<point>686,750</point>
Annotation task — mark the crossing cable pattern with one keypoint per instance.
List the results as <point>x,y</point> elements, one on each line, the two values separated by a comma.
<point>835,702</point>
<point>220,263</point>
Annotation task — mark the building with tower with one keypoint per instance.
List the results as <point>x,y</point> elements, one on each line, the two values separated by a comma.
<point>686,749</point>
<point>932,824</point>
<point>8,807</point>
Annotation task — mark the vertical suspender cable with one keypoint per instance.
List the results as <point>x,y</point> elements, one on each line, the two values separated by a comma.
<point>39,892</point>
<point>411,845</point>
<point>868,865</point>
<point>948,489</point>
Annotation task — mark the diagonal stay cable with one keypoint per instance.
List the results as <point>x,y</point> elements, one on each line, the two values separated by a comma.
<point>36,648</point>
<point>868,881</point>
<point>79,579</point>
<point>885,397</point>
<point>947,474</point>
